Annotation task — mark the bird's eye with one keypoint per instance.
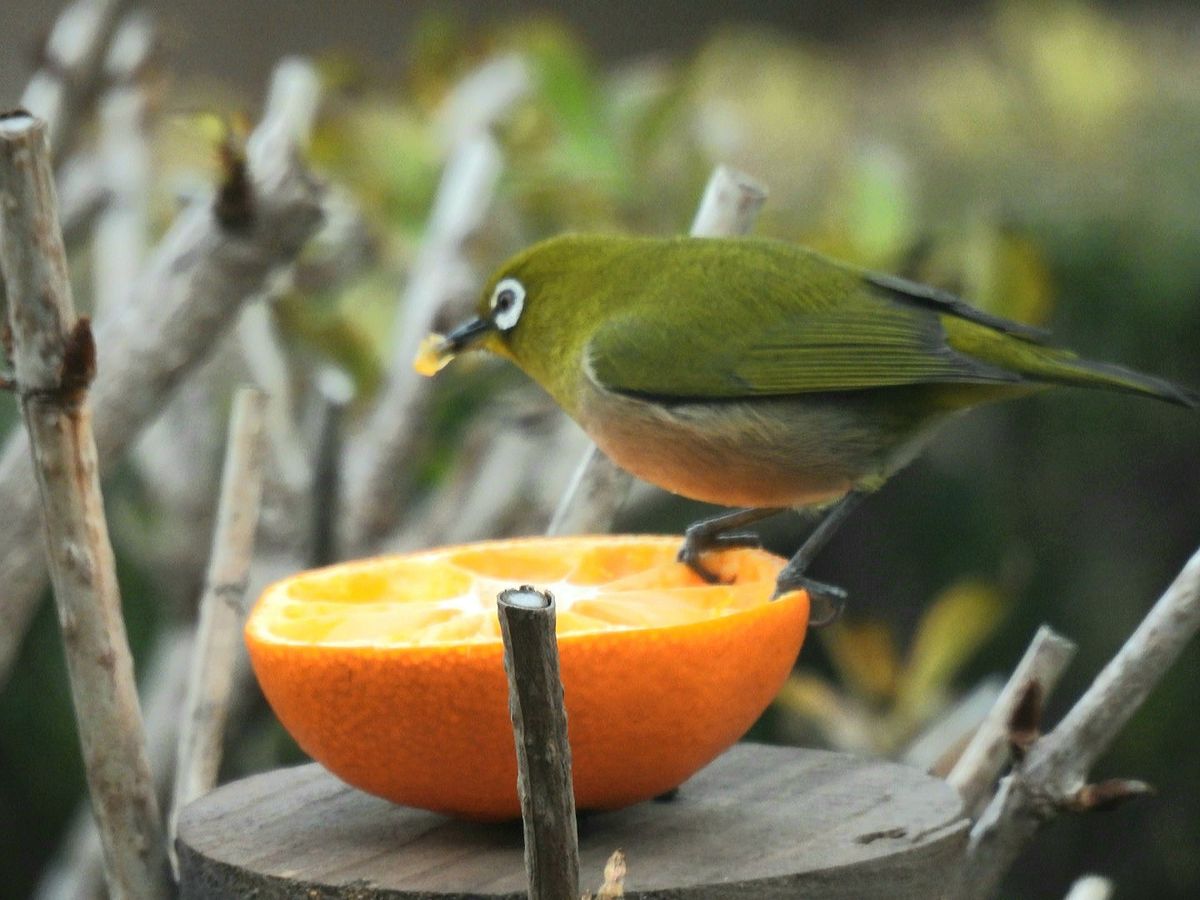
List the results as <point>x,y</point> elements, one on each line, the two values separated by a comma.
<point>508,299</point>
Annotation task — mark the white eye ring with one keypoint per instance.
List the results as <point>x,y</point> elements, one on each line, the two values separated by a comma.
<point>508,299</point>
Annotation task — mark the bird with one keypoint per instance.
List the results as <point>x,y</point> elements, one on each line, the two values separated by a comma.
<point>756,373</point>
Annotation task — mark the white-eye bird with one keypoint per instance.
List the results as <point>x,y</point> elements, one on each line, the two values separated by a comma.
<point>757,373</point>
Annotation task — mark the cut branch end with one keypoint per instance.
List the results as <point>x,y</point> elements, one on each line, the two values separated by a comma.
<point>1104,796</point>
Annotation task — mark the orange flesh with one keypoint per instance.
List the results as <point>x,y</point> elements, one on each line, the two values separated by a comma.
<point>389,671</point>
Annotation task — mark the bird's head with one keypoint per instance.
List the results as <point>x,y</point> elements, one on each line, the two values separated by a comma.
<point>536,309</point>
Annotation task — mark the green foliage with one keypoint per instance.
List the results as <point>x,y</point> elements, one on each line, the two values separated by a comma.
<point>886,698</point>
<point>1042,163</point>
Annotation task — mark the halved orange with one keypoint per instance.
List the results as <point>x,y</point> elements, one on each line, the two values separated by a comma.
<point>389,671</point>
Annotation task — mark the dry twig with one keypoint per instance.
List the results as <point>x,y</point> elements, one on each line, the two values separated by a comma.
<point>335,391</point>
<point>380,457</point>
<point>975,773</point>
<point>187,297</point>
<point>218,631</point>
<point>77,871</point>
<point>53,358</point>
<point>122,228</point>
<point>1053,775</point>
<point>598,488</point>
<point>63,90</point>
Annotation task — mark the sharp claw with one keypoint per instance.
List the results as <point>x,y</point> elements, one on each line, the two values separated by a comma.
<point>709,576</point>
<point>826,600</point>
<point>827,610</point>
<point>689,554</point>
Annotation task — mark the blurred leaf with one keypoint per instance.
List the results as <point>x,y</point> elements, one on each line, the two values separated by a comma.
<point>767,105</point>
<point>1005,273</point>
<point>440,51</point>
<point>838,720</point>
<point>565,165</point>
<point>864,654</point>
<point>349,341</point>
<point>951,631</point>
<point>870,218</point>
<point>388,154</point>
<point>1080,62</point>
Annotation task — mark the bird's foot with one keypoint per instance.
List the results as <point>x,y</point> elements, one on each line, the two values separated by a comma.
<point>697,542</point>
<point>826,601</point>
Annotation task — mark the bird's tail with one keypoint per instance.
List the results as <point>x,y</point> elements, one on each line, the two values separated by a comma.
<point>1063,367</point>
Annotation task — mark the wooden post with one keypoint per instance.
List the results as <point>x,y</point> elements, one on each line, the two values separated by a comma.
<point>539,719</point>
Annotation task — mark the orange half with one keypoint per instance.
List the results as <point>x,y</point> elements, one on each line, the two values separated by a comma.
<point>389,671</point>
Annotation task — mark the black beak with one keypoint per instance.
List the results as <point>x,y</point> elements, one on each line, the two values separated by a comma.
<point>467,334</point>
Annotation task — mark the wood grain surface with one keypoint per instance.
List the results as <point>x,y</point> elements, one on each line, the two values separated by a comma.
<point>761,822</point>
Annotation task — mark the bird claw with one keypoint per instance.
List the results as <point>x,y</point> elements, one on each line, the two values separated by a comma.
<point>697,543</point>
<point>826,601</point>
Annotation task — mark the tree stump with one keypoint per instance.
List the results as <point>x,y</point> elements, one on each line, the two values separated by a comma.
<point>762,822</point>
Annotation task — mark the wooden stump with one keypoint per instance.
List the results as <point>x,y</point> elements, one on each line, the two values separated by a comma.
<point>760,822</point>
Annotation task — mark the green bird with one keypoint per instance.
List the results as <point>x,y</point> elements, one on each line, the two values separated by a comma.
<point>756,373</point>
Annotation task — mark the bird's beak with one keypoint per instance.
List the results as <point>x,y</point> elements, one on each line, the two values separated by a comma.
<point>466,335</point>
<point>436,351</point>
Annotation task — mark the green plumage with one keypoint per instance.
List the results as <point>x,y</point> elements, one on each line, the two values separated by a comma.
<point>757,373</point>
<point>722,319</point>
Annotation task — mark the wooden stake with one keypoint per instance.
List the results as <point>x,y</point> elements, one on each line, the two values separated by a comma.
<point>54,360</point>
<point>535,700</point>
<point>975,773</point>
<point>218,635</point>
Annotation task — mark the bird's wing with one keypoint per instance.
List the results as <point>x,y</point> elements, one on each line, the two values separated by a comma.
<point>866,338</point>
<point>937,300</point>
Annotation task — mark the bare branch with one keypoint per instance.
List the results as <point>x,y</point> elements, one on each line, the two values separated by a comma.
<point>82,196</point>
<point>979,766</point>
<point>267,363</point>
<point>62,92</point>
<point>481,98</point>
<point>381,455</point>
<point>729,207</point>
<point>54,359</point>
<point>77,870</point>
<point>218,632</point>
<point>1085,733</point>
<point>1106,795</point>
<point>509,473</point>
<point>185,300</point>
<point>122,229</point>
<point>1053,776</point>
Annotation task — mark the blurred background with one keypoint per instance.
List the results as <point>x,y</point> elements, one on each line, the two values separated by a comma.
<point>1038,158</point>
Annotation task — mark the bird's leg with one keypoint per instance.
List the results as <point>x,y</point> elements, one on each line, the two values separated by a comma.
<point>711,534</point>
<point>827,599</point>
